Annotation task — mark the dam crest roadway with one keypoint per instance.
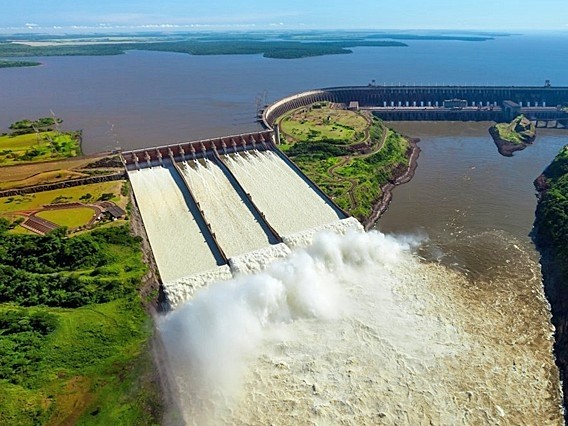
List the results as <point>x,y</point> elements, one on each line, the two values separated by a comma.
<point>219,207</point>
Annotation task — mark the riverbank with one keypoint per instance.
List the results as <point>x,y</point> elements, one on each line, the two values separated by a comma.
<point>550,234</point>
<point>405,176</point>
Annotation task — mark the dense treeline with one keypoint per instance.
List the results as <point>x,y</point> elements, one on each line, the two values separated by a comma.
<point>270,49</point>
<point>320,150</point>
<point>18,64</point>
<point>22,341</point>
<point>552,211</point>
<point>23,127</point>
<point>55,270</point>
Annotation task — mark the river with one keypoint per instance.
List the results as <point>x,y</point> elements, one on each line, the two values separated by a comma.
<point>472,208</point>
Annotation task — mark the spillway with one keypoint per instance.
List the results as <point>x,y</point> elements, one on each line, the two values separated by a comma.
<point>179,245</point>
<point>236,228</point>
<point>289,203</point>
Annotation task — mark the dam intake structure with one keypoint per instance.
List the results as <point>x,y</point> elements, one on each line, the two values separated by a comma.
<point>545,106</point>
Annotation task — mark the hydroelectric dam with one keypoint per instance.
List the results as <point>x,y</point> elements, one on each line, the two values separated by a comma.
<point>354,329</point>
<point>215,208</point>
<point>218,207</point>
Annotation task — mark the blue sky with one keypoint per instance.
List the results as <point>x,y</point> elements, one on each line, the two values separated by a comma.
<point>292,14</point>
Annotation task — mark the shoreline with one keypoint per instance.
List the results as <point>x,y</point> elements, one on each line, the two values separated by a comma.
<point>382,205</point>
<point>554,286</point>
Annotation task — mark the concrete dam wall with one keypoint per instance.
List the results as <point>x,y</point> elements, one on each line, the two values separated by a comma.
<point>426,102</point>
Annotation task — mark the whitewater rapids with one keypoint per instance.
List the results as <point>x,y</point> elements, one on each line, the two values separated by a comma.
<point>356,330</point>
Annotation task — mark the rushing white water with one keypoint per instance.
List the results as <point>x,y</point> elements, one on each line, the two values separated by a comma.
<point>355,329</point>
<point>234,225</point>
<point>289,204</point>
<point>179,247</point>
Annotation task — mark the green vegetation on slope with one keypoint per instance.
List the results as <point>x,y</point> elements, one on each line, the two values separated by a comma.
<point>518,131</point>
<point>348,155</point>
<point>552,210</point>
<point>73,334</point>
<point>18,64</point>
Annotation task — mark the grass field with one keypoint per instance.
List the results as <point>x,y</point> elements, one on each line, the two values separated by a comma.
<point>71,218</point>
<point>43,178</point>
<point>34,147</point>
<point>318,140</point>
<point>86,371</point>
<point>13,174</point>
<point>73,194</point>
<point>323,123</point>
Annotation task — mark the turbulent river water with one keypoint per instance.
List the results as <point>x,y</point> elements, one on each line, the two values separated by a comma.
<point>444,323</point>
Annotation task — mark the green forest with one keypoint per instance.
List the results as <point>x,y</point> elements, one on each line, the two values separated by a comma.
<point>552,211</point>
<point>73,332</point>
<point>18,64</point>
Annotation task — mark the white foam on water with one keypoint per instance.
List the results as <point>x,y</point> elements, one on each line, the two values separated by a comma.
<point>180,290</point>
<point>355,329</point>
<point>305,238</point>
<point>258,260</point>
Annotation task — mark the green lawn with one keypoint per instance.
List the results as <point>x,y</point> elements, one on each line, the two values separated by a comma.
<point>324,123</point>
<point>71,218</point>
<point>73,194</point>
<point>84,366</point>
<point>43,146</point>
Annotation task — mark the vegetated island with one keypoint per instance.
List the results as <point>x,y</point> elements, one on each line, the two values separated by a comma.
<point>38,140</point>
<point>550,234</point>
<point>18,64</point>
<point>513,136</point>
<point>270,44</point>
<point>352,156</point>
<point>74,291</point>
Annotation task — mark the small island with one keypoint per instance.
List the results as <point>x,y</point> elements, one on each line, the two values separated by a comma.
<point>351,155</point>
<point>513,136</point>
<point>18,64</point>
